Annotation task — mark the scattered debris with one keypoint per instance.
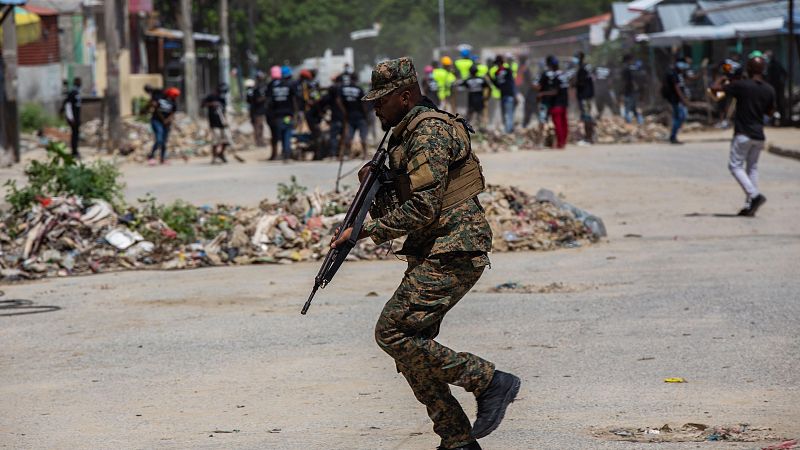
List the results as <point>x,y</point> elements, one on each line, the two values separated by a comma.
<point>67,235</point>
<point>193,138</point>
<point>512,287</point>
<point>692,432</point>
<point>609,130</point>
<point>785,445</point>
<point>186,137</point>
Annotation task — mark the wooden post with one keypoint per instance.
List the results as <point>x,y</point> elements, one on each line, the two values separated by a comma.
<point>111,97</point>
<point>189,60</point>
<point>790,60</point>
<point>9,141</point>
<point>225,50</point>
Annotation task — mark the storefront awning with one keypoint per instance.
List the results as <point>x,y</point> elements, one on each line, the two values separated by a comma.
<point>29,26</point>
<point>690,33</point>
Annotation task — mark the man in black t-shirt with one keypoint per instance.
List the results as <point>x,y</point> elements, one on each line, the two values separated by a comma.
<point>503,79</point>
<point>309,96</point>
<point>677,94</point>
<point>215,104</point>
<point>282,106</point>
<point>553,90</point>
<point>257,98</point>
<point>630,91</point>
<point>72,112</point>
<point>478,91</point>
<point>755,99</point>
<point>355,114</point>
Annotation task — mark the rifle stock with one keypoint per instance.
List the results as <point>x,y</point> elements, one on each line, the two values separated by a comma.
<point>353,219</point>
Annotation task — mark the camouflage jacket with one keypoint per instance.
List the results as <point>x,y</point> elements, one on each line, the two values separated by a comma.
<point>426,154</point>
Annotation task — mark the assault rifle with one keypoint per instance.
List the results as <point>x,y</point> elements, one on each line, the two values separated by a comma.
<point>375,177</point>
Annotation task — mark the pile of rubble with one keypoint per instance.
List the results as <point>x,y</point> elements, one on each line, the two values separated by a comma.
<point>62,236</point>
<point>608,130</point>
<point>186,138</point>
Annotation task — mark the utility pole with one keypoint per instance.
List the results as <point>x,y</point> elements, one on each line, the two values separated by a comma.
<point>189,60</point>
<point>225,56</point>
<point>111,14</point>
<point>790,63</point>
<point>9,140</point>
<point>442,42</point>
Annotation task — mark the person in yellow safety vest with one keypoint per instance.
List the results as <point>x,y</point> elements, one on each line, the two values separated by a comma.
<point>444,78</point>
<point>483,69</point>
<point>463,64</point>
<point>440,76</point>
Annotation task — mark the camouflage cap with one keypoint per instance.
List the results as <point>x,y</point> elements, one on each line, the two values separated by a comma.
<point>390,75</point>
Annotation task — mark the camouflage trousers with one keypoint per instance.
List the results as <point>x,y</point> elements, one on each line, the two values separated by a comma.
<point>407,326</point>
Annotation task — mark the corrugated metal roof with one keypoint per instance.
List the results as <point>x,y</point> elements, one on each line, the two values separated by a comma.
<point>622,15</point>
<point>643,5</point>
<point>675,16</point>
<point>761,11</point>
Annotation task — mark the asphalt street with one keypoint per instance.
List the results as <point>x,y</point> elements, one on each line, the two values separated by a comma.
<point>221,358</point>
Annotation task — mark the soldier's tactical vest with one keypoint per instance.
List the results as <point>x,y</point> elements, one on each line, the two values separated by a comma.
<point>465,176</point>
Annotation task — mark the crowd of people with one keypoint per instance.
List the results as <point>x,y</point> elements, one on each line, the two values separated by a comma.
<point>296,109</point>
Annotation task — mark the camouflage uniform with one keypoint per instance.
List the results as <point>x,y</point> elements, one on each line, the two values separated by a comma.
<point>446,256</point>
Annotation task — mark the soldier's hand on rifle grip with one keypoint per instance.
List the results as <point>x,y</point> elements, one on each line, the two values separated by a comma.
<point>345,236</point>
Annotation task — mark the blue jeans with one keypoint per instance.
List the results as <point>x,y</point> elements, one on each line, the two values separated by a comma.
<point>630,109</point>
<point>678,117</point>
<point>357,125</point>
<point>335,133</point>
<point>161,133</point>
<point>508,113</point>
<point>285,130</point>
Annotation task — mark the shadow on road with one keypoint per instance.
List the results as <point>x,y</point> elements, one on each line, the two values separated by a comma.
<point>710,215</point>
<point>21,307</point>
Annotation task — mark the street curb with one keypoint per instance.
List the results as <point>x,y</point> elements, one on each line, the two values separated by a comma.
<point>787,152</point>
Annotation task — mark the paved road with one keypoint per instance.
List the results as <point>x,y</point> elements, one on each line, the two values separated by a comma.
<point>165,359</point>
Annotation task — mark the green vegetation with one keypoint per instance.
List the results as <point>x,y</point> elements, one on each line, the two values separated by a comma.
<point>33,117</point>
<point>62,174</point>
<point>290,192</point>
<point>290,31</point>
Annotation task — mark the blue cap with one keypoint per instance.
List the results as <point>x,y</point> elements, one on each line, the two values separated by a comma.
<point>286,71</point>
<point>465,53</point>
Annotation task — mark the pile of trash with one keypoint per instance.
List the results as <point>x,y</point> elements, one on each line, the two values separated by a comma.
<point>186,137</point>
<point>61,236</point>
<point>521,221</point>
<point>608,130</point>
<point>695,432</point>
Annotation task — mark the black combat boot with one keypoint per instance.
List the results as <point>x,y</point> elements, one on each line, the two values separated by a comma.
<point>471,446</point>
<point>492,403</point>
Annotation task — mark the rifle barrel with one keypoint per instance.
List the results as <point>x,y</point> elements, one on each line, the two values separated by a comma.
<point>310,297</point>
